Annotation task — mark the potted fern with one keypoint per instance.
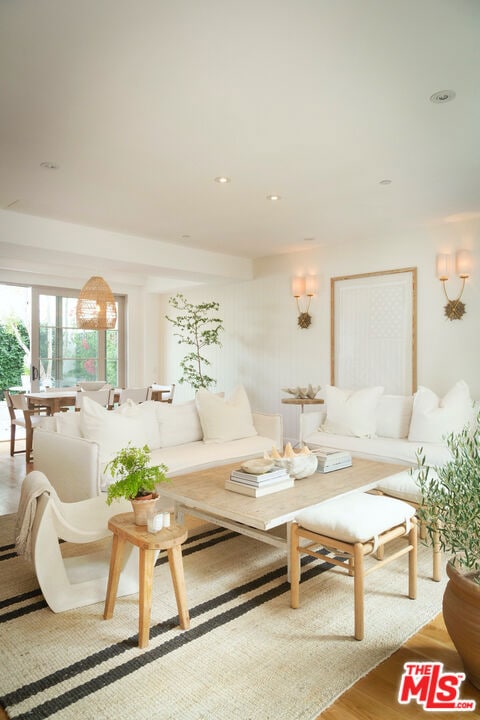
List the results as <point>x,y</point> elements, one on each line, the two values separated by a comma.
<point>135,480</point>
<point>450,510</point>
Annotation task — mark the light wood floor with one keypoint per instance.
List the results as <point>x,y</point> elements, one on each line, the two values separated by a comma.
<point>374,697</point>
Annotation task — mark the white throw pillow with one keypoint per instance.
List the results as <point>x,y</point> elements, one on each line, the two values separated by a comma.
<point>146,414</point>
<point>225,419</point>
<point>433,418</point>
<point>352,412</point>
<point>394,413</point>
<point>114,429</point>
<point>179,423</point>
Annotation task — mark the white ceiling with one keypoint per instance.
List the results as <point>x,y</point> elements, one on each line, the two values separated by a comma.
<point>142,103</point>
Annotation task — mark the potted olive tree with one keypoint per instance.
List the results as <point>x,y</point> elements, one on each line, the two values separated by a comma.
<point>135,480</point>
<point>451,512</point>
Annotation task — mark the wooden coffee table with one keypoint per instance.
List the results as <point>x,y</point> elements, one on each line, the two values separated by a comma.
<point>202,495</point>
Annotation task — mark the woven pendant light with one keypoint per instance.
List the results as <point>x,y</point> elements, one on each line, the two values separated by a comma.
<point>96,309</point>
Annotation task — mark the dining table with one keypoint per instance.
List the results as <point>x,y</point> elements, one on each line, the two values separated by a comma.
<point>52,400</point>
<point>55,400</point>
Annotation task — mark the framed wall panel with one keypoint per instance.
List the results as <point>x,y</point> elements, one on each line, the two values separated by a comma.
<point>374,331</point>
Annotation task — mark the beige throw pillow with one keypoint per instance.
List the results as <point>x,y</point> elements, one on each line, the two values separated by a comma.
<point>225,419</point>
<point>352,412</point>
<point>433,418</point>
<point>179,423</point>
<point>394,413</point>
<point>113,430</point>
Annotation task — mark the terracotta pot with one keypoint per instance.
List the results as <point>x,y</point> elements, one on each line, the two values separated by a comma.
<point>143,507</point>
<point>461,612</point>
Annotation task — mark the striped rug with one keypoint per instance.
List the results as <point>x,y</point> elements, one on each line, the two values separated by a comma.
<point>247,655</point>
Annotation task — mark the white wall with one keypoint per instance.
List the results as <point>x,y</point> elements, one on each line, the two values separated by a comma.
<point>40,251</point>
<point>264,349</point>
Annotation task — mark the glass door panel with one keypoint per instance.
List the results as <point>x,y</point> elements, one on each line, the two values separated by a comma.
<point>68,355</point>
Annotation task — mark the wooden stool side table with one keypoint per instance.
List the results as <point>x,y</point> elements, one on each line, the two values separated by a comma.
<point>170,539</point>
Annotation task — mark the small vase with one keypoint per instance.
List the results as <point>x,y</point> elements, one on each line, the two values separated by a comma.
<point>143,507</point>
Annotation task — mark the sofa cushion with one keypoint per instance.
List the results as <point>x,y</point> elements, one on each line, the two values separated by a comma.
<point>433,418</point>
<point>356,518</point>
<point>352,412</point>
<point>394,413</point>
<point>404,485</point>
<point>381,449</point>
<point>197,455</point>
<point>179,423</point>
<point>224,419</point>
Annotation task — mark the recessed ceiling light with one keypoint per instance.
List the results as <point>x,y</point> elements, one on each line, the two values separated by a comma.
<point>49,165</point>
<point>222,179</point>
<point>273,197</point>
<point>442,96</point>
<point>385,182</point>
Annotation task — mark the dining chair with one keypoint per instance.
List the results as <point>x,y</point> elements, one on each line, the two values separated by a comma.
<point>100,396</point>
<point>22,416</point>
<point>163,393</point>
<point>137,394</point>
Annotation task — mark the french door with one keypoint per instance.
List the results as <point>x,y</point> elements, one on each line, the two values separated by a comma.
<point>62,354</point>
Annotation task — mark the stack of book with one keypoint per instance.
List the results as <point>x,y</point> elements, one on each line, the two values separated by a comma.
<point>258,485</point>
<point>329,459</point>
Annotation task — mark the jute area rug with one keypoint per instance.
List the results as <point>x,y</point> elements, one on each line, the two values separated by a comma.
<point>247,655</point>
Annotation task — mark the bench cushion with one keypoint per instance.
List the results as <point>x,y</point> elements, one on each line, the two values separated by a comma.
<point>355,518</point>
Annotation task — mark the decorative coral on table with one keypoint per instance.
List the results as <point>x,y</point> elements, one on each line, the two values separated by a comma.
<point>307,393</point>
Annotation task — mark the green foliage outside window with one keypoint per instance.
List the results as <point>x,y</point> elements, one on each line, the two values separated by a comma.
<point>12,354</point>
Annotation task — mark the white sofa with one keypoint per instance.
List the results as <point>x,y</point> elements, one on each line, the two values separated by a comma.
<point>390,428</point>
<point>72,449</point>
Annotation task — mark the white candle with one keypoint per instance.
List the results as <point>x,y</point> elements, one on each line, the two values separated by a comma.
<point>155,523</point>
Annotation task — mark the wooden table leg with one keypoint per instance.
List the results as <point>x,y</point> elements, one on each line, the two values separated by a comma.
<point>175,563</point>
<point>147,561</point>
<point>116,557</point>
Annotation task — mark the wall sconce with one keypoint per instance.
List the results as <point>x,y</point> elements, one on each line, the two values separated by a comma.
<point>454,309</point>
<point>304,286</point>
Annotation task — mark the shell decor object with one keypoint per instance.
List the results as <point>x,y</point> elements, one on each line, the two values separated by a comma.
<point>307,393</point>
<point>298,465</point>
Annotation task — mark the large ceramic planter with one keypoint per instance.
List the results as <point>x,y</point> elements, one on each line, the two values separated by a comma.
<point>143,507</point>
<point>461,612</point>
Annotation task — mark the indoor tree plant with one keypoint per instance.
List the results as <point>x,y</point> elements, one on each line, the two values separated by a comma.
<point>197,327</point>
<point>135,480</point>
<point>450,510</point>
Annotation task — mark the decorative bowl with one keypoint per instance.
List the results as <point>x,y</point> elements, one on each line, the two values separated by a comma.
<point>258,466</point>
